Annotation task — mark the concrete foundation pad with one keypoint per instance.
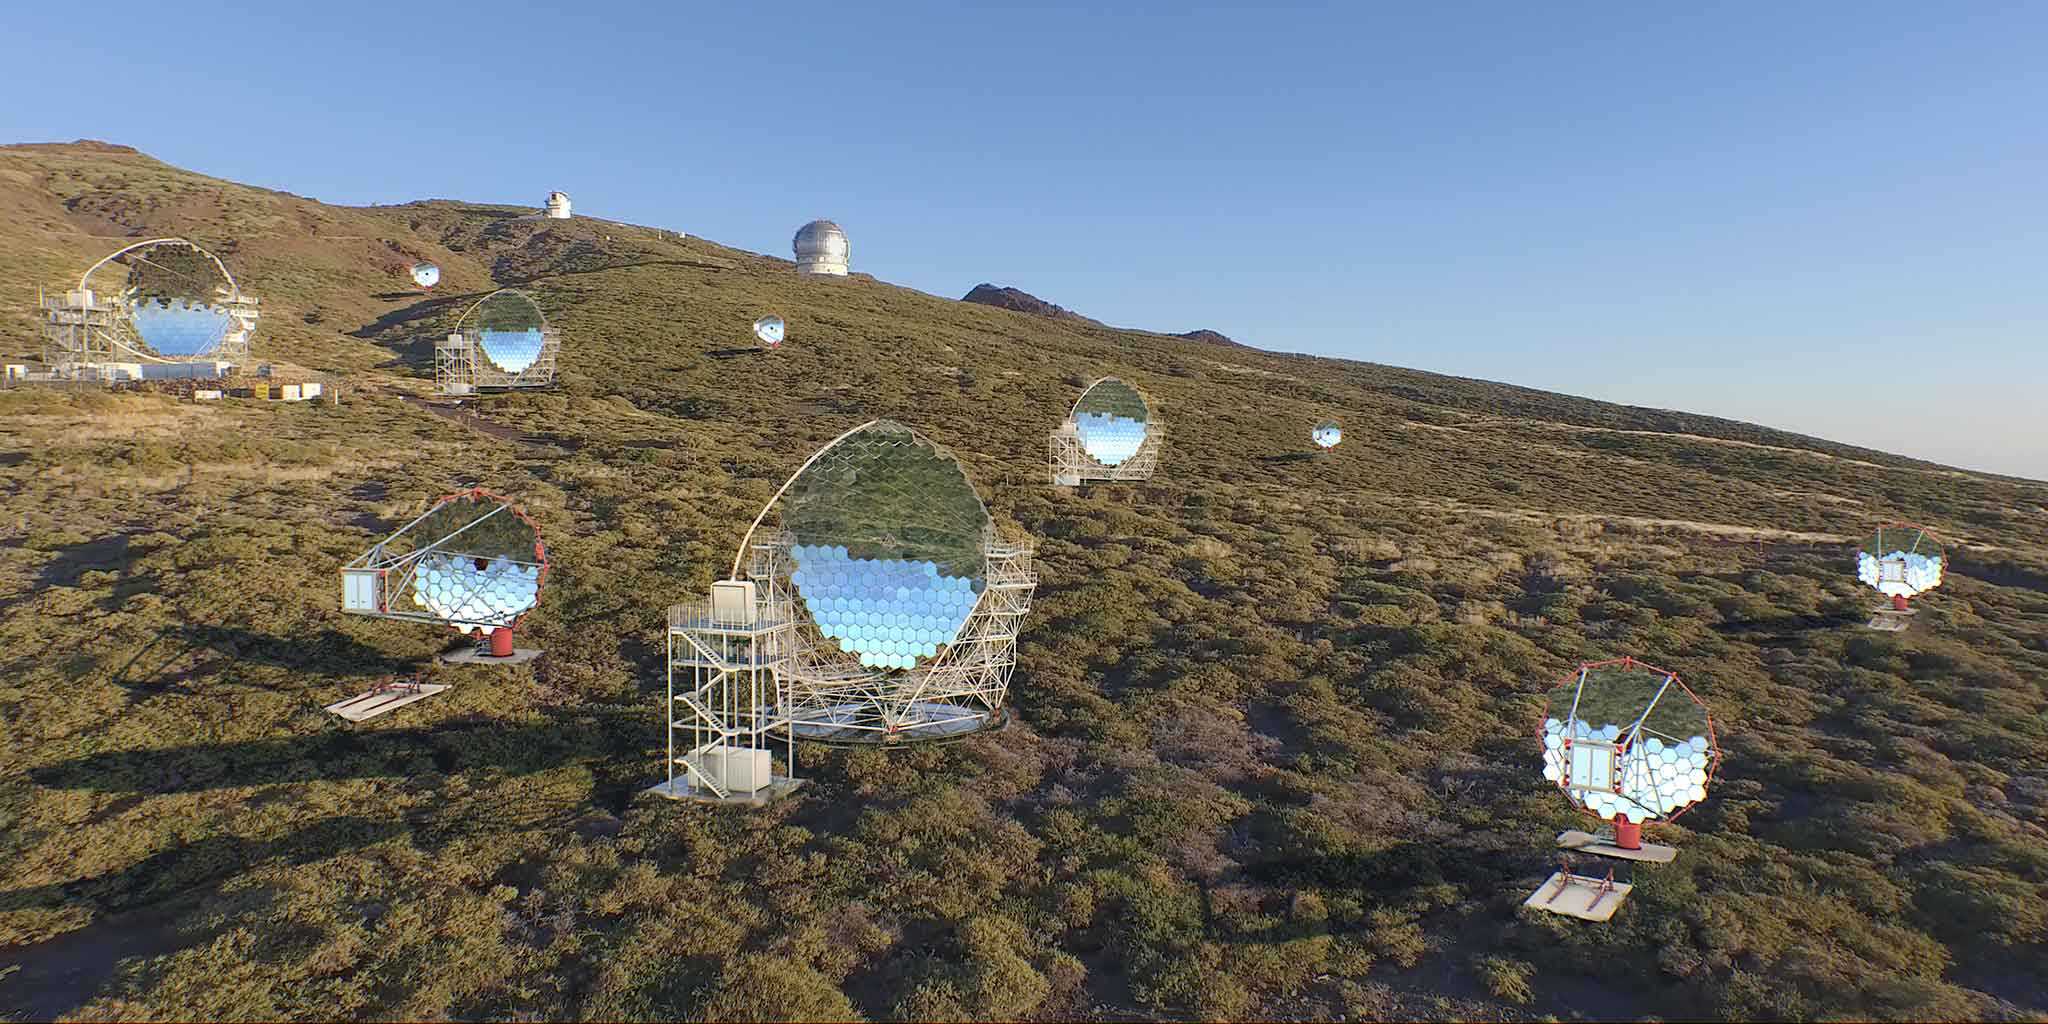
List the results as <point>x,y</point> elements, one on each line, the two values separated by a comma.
<point>1586,842</point>
<point>469,656</point>
<point>680,789</point>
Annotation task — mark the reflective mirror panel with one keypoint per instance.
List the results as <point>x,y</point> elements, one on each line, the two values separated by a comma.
<point>1901,561</point>
<point>888,546</point>
<point>509,328</point>
<point>1327,434</point>
<point>482,562</point>
<point>174,293</point>
<point>1112,420</point>
<point>1627,740</point>
<point>455,588</point>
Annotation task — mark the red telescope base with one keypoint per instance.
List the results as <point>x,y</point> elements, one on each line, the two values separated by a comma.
<point>1628,834</point>
<point>489,646</point>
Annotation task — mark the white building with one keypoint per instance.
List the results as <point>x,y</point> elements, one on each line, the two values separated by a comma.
<point>821,248</point>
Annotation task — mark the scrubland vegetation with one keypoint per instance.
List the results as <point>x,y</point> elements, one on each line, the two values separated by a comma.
<point>1274,751</point>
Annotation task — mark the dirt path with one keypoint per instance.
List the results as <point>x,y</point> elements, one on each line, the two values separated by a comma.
<point>1574,428</point>
<point>1723,531</point>
<point>468,418</point>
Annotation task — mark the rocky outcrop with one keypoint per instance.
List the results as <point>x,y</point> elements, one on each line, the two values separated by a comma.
<point>1212,338</point>
<point>1022,302</point>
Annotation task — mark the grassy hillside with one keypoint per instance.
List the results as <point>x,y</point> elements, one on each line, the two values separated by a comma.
<point>1274,753</point>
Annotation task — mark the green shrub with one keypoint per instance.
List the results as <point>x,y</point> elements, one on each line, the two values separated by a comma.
<point>1506,979</point>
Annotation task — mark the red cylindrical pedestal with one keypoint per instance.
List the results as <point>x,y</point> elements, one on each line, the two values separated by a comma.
<point>1627,834</point>
<point>1898,602</point>
<point>501,643</point>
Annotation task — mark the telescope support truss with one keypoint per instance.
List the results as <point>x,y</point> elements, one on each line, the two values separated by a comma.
<point>959,692</point>
<point>747,672</point>
<point>372,584</point>
<point>89,336</point>
<point>86,334</point>
<point>1071,464</point>
<point>1897,611</point>
<point>461,368</point>
<point>1593,765</point>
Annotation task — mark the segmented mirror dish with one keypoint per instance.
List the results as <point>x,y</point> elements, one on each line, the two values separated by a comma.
<point>176,295</point>
<point>482,565</point>
<point>1327,434</point>
<point>425,274</point>
<point>469,596</point>
<point>1113,421</point>
<point>1625,739</point>
<point>1901,561</point>
<point>888,545</point>
<point>770,330</point>
<point>509,328</point>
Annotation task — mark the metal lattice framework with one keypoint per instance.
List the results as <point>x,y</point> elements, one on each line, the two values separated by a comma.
<point>1628,744</point>
<point>725,686</point>
<point>1901,561</point>
<point>385,579</point>
<point>1069,458</point>
<point>834,700</point>
<point>755,665</point>
<point>1644,707</point>
<point>89,333</point>
<point>463,364</point>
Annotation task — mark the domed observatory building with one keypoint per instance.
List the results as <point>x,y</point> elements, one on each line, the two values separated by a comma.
<point>557,207</point>
<point>1111,434</point>
<point>873,602</point>
<point>1629,745</point>
<point>161,309</point>
<point>473,562</point>
<point>821,248</point>
<point>1901,562</point>
<point>502,343</point>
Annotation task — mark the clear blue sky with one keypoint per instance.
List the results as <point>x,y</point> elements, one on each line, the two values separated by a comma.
<point>1827,217</point>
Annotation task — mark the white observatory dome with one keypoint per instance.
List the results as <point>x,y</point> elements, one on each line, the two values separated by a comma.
<point>821,248</point>
<point>558,206</point>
